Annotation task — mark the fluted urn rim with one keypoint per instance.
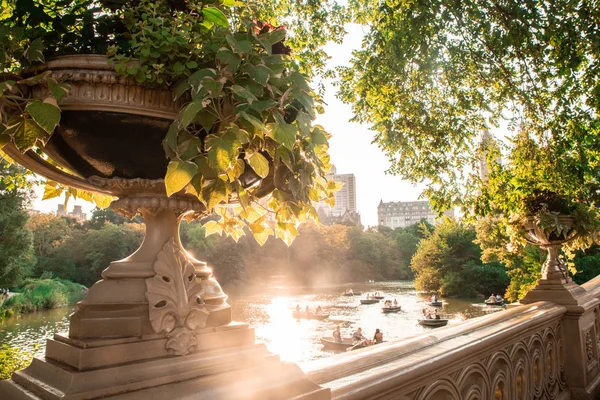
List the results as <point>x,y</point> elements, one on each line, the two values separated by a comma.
<point>98,91</point>
<point>538,235</point>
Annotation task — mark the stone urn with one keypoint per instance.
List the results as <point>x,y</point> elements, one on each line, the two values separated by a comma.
<point>157,318</point>
<point>553,268</point>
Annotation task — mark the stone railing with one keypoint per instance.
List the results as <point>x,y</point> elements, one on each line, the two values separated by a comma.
<point>515,354</point>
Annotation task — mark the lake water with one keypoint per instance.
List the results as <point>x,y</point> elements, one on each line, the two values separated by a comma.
<point>270,313</point>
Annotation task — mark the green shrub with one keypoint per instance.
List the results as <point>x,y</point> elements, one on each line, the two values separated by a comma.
<point>40,294</point>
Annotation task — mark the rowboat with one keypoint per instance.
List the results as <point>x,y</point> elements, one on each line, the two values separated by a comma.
<point>352,293</point>
<point>494,303</point>
<point>346,343</point>
<point>388,310</point>
<point>433,322</point>
<point>436,303</point>
<point>303,315</point>
<point>379,297</point>
<point>368,301</point>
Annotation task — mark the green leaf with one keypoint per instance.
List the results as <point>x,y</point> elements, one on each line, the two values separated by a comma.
<point>284,134</point>
<point>196,78</point>
<point>25,134</point>
<point>215,16</point>
<point>259,164</point>
<point>35,51</point>
<point>206,119</point>
<point>46,115</point>
<point>170,140</point>
<point>243,93</point>
<point>59,90</point>
<point>256,123</point>
<point>229,58</point>
<point>304,121</point>
<point>318,136</point>
<point>204,168</point>
<point>276,36</point>
<point>259,73</point>
<point>262,105</point>
<point>222,150</point>
<point>188,113</point>
<point>179,174</point>
<point>215,192</point>
<point>229,3</point>
<point>239,46</point>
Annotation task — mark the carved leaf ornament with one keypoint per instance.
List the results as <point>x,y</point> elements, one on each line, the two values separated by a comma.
<point>175,299</point>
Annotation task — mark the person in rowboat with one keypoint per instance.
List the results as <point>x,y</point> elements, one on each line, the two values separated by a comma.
<point>499,298</point>
<point>395,303</point>
<point>378,337</point>
<point>492,298</point>
<point>358,337</point>
<point>434,299</point>
<point>337,335</point>
<point>319,310</point>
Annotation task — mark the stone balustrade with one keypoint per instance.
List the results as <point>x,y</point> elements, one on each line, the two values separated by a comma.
<point>516,354</point>
<point>538,350</point>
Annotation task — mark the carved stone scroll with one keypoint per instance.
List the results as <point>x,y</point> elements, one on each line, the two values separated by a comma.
<point>175,299</point>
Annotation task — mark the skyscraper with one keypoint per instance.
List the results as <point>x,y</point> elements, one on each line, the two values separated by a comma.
<point>345,198</point>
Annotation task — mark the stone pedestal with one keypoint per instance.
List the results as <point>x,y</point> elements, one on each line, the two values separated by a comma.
<point>156,327</point>
<point>581,329</point>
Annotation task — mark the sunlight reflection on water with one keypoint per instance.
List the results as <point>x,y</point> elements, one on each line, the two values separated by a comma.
<point>299,340</point>
<point>270,313</point>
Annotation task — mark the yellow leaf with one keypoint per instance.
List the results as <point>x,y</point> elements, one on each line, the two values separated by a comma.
<point>212,227</point>
<point>52,190</point>
<point>179,174</point>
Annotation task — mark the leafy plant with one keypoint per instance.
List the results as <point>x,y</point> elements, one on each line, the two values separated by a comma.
<point>12,359</point>
<point>246,103</point>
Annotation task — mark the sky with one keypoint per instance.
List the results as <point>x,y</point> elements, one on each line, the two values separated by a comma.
<point>351,149</point>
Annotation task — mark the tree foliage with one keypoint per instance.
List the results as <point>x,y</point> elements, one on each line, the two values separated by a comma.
<point>16,253</point>
<point>433,75</point>
<point>448,261</point>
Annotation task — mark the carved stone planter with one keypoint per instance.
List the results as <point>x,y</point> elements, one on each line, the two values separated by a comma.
<point>159,303</point>
<point>553,268</point>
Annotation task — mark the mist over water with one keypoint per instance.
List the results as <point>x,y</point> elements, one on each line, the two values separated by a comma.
<point>269,312</point>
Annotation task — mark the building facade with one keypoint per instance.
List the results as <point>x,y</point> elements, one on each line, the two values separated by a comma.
<point>400,214</point>
<point>77,213</point>
<point>345,198</point>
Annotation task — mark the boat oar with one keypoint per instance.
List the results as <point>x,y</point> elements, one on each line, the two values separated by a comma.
<point>355,346</point>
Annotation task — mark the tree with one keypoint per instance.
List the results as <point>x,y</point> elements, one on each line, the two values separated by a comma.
<point>49,232</point>
<point>448,261</point>
<point>16,252</point>
<point>433,75</point>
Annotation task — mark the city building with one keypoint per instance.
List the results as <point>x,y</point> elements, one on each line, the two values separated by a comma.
<point>400,214</point>
<point>350,218</point>
<point>61,211</point>
<point>77,213</point>
<point>345,201</point>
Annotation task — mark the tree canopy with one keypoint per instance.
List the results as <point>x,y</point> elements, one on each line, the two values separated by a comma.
<point>432,75</point>
<point>16,251</point>
<point>449,262</point>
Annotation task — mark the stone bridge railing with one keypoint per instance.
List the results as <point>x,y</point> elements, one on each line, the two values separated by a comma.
<point>541,350</point>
